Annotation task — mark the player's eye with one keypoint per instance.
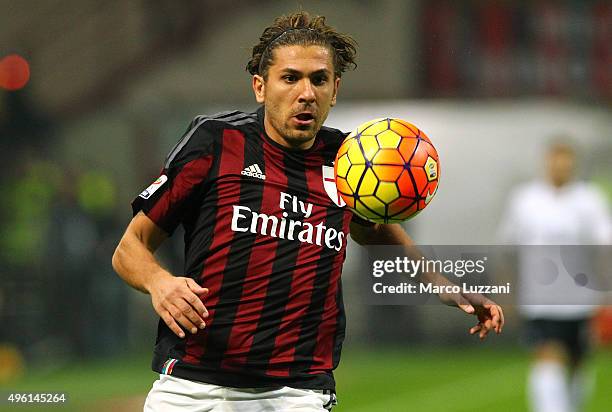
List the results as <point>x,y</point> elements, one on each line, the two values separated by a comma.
<point>290,78</point>
<point>319,80</point>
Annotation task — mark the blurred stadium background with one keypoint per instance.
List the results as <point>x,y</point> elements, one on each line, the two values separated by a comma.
<point>112,85</point>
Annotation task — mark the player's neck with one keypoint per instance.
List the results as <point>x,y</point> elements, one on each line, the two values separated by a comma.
<point>291,144</point>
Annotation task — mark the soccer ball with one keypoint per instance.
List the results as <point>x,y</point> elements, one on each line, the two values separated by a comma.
<point>387,170</point>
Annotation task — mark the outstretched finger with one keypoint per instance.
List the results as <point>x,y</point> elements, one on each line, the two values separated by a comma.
<point>467,308</point>
<point>483,333</point>
<point>475,329</point>
<point>496,318</point>
<point>502,319</point>
<point>171,323</point>
<point>496,321</point>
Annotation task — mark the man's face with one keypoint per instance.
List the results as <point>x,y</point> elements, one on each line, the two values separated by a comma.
<point>298,93</point>
<point>561,166</point>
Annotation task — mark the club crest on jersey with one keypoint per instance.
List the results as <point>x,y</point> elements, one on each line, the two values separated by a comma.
<point>329,183</point>
<point>148,192</point>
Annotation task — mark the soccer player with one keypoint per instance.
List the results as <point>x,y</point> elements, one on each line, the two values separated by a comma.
<point>257,320</point>
<point>556,210</point>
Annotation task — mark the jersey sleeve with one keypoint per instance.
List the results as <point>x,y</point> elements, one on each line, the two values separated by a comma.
<point>173,196</point>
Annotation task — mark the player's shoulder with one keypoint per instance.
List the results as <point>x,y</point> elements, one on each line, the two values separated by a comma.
<point>222,120</point>
<point>332,138</point>
<point>204,133</point>
<point>589,192</point>
<point>208,129</point>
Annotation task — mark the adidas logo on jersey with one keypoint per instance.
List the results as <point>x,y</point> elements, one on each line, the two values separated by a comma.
<point>253,171</point>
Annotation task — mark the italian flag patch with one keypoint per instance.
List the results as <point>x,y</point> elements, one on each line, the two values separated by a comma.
<point>168,366</point>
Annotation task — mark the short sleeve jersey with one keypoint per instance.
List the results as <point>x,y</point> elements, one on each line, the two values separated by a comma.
<point>539,214</point>
<point>265,232</point>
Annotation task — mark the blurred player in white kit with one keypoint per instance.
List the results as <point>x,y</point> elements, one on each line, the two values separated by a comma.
<point>557,210</point>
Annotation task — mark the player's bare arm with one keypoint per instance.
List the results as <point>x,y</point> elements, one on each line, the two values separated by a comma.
<point>490,315</point>
<point>177,300</point>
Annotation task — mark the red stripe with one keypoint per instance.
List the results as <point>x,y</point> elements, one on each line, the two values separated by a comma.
<point>167,210</point>
<point>228,194</point>
<point>323,354</point>
<point>259,268</point>
<point>302,284</point>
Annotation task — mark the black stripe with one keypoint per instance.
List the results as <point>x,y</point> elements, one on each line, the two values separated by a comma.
<point>281,277</point>
<point>199,227</point>
<point>307,341</point>
<point>199,230</point>
<point>199,224</point>
<point>340,326</point>
<point>235,271</point>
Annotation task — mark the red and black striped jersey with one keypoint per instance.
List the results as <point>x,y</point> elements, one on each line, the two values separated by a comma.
<point>265,232</point>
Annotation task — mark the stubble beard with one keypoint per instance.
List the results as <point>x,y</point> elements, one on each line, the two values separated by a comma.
<point>296,135</point>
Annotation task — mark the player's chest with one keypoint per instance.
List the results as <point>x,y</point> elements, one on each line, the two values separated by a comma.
<point>277,181</point>
<point>553,220</point>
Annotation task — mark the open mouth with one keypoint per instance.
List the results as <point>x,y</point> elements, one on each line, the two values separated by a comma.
<point>304,117</point>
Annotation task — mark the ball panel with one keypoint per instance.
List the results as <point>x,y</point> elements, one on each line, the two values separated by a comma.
<point>429,191</point>
<point>407,147</point>
<point>343,186</point>
<point>414,131</point>
<point>342,166</point>
<point>387,173</point>
<point>354,176</point>
<point>420,155</point>
<point>388,157</point>
<point>343,148</point>
<point>369,146</point>
<point>400,204</point>
<point>365,212</point>
<point>406,185</point>
<point>348,199</point>
<point>388,139</point>
<point>409,213</point>
<point>373,204</point>
<point>368,183</point>
<point>387,192</point>
<point>423,136</point>
<point>420,178</point>
<point>376,127</point>
<point>355,155</point>
<point>401,129</point>
<point>363,127</point>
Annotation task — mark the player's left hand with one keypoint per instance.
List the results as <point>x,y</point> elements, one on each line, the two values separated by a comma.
<point>490,315</point>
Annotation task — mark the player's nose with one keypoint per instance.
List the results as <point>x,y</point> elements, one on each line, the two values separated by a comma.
<point>307,94</point>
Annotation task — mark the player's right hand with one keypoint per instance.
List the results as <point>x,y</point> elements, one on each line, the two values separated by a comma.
<point>178,301</point>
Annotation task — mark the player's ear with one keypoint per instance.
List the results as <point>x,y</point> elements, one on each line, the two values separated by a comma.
<point>336,87</point>
<point>259,88</point>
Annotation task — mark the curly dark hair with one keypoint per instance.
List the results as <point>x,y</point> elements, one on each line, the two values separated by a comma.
<point>301,29</point>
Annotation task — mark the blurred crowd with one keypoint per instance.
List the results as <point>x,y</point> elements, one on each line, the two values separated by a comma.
<point>59,225</point>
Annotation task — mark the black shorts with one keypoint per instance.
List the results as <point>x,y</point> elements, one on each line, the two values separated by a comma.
<point>573,335</point>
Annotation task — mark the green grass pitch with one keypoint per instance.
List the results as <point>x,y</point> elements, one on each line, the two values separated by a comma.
<point>408,379</point>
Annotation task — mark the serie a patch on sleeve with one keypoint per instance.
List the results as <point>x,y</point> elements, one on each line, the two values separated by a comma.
<point>148,192</point>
